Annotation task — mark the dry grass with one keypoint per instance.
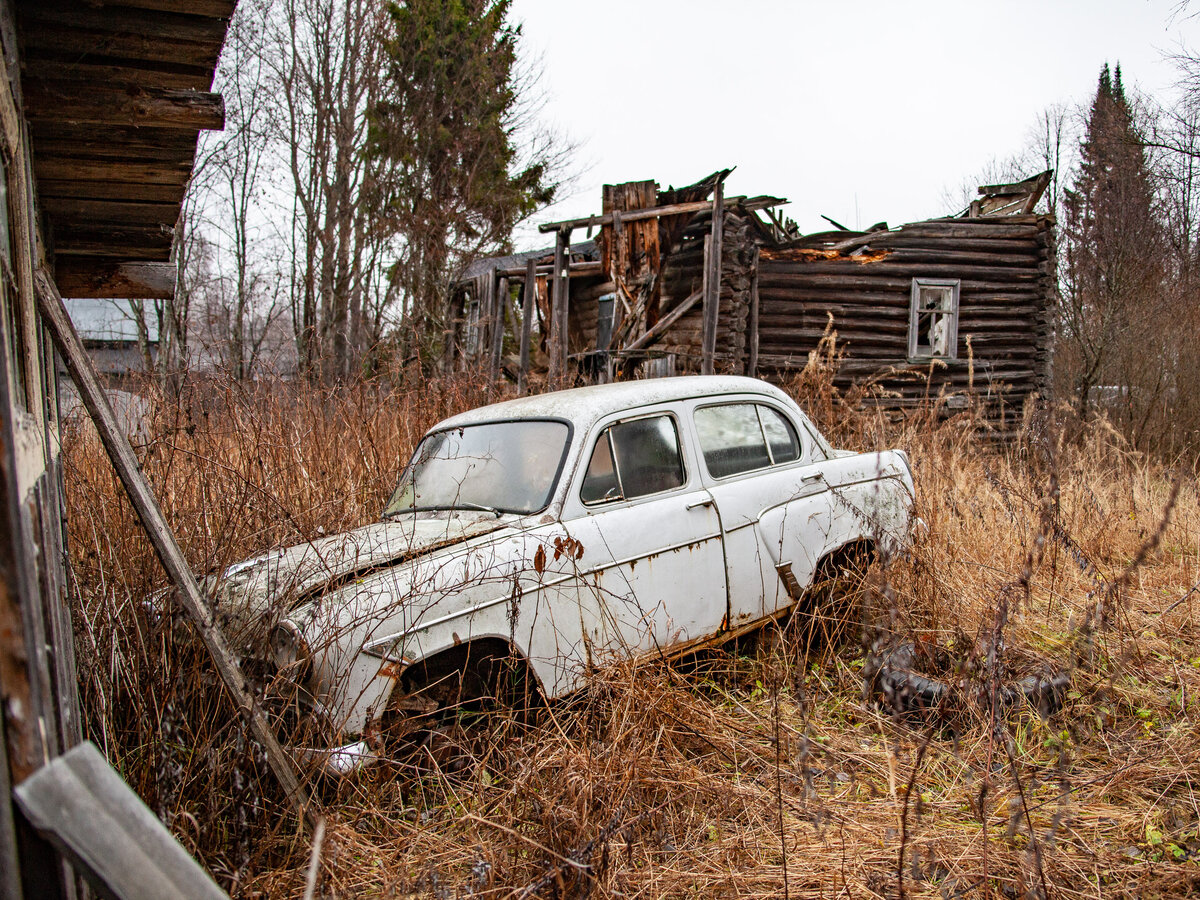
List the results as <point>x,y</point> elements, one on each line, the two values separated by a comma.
<point>758,770</point>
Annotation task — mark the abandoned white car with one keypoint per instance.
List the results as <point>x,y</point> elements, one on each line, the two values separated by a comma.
<point>554,533</point>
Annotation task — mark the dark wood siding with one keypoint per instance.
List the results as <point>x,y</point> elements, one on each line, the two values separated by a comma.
<point>1006,270</point>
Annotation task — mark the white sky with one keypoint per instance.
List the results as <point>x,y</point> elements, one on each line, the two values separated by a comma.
<point>863,111</point>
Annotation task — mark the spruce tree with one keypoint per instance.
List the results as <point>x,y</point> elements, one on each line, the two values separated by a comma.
<point>1114,263</point>
<point>448,121</point>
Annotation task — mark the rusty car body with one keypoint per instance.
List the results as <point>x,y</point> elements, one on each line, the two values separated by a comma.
<point>561,531</point>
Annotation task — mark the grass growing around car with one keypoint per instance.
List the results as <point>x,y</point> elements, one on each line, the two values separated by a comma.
<point>758,769</point>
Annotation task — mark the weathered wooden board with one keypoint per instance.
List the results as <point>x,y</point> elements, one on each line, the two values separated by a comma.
<point>81,805</point>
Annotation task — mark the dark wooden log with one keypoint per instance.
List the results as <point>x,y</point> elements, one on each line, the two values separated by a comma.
<point>559,307</point>
<point>115,212</point>
<point>1000,246</point>
<point>190,596</point>
<point>528,296</point>
<point>752,361</point>
<point>666,323</point>
<point>171,77</point>
<point>673,209</point>
<point>131,281</point>
<point>712,283</point>
<point>217,9</point>
<point>886,268</point>
<point>499,304</point>
<point>89,104</point>
<point>803,282</point>
<point>114,243</point>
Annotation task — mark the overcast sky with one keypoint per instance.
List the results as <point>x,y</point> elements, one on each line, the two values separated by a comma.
<point>863,111</point>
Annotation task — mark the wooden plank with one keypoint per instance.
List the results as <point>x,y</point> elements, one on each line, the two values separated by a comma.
<point>126,20</point>
<point>122,191</point>
<point>67,68</point>
<point>672,209</point>
<point>527,314</point>
<point>752,361</point>
<point>10,867</point>
<point>89,104</point>
<point>499,303</point>
<point>587,268</point>
<point>217,9</point>
<point>663,325</point>
<point>190,596</point>
<point>80,804</point>
<point>712,283</point>
<point>559,304</point>
<point>128,48</point>
<point>113,212</point>
<point>76,277</point>
<point>114,243</point>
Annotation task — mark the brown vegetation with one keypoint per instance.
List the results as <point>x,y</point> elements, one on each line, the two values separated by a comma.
<point>757,770</point>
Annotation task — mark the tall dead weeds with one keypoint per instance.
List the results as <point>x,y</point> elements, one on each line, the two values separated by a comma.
<point>756,770</point>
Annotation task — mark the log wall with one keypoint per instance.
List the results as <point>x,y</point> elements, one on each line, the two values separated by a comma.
<point>1006,266</point>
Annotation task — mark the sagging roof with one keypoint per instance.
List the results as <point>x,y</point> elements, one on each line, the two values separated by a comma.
<point>116,94</point>
<point>580,250</point>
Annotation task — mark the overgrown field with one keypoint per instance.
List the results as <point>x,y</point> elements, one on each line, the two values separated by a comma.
<point>757,771</point>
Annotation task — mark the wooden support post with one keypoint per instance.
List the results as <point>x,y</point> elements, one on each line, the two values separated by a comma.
<point>529,297</point>
<point>559,307</point>
<point>752,362</point>
<point>712,285</point>
<point>483,317</point>
<point>496,354</point>
<point>195,604</point>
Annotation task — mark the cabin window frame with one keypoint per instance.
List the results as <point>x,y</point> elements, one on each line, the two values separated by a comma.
<point>916,349</point>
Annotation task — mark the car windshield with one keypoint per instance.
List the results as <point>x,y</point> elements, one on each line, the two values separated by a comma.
<point>499,467</point>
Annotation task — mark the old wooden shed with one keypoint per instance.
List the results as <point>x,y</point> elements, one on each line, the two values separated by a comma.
<point>689,280</point>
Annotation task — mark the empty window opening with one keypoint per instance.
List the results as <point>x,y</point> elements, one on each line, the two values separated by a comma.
<point>933,319</point>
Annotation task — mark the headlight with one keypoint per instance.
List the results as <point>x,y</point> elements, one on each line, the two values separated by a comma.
<point>290,652</point>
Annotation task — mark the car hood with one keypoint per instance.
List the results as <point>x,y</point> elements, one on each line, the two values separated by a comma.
<point>282,580</point>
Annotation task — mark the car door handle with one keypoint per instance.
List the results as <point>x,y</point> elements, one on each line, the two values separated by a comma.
<point>813,479</point>
<point>707,501</point>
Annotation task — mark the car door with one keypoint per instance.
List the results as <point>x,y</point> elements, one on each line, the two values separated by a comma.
<point>765,476</point>
<point>649,541</point>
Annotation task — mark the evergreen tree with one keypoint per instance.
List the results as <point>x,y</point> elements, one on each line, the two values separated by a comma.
<point>450,126</point>
<point>1114,265</point>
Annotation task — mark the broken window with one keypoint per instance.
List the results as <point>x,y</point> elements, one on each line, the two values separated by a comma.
<point>933,319</point>
<point>633,459</point>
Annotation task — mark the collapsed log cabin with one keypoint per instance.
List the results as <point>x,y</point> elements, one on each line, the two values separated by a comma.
<point>688,280</point>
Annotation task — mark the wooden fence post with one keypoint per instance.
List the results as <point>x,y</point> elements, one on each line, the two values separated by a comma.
<point>528,298</point>
<point>499,302</point>
<point>559,307</point>
<point>752,362</point>
<point>712,284</point>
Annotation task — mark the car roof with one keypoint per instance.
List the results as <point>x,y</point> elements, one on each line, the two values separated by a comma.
<point>584,406</point>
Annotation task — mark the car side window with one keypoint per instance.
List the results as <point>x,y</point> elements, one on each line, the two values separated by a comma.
<point>634,459</point>
<point>742,437</point>
<point>781,437</point>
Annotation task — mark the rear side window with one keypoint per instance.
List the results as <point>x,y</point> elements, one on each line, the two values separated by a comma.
<point>742,437</point>
<point>634,459</point>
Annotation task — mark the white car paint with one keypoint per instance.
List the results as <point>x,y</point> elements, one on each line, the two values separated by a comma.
<point>576,583</point>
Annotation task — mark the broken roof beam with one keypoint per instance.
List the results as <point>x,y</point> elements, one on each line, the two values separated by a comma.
<point>673,209</point>
<point>1018,198</point>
